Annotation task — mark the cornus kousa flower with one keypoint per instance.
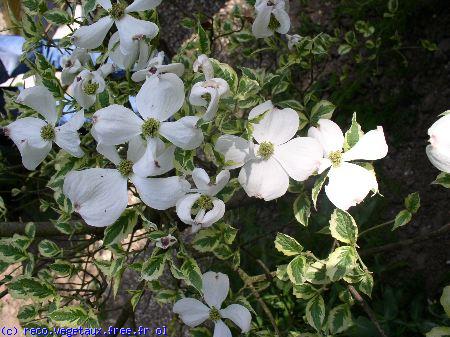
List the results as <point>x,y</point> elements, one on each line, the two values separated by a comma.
<point>207,208</point>
<point>157,73</point>
<point>271,16</point>
<point>268,164</point>
<point>101,195</point>
<point>116,124</point>
<point>214,87</point>
<point>215,291</point>
<point>136,58</point>
<point>348,184</point>
<point>72,65</point>
<point>92,36</point>
<point>34,137</point>
<point>88,84</point>
<point>438,151</point>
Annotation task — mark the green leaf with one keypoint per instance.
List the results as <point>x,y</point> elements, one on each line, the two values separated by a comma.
<point>443,179</point>
<point>343,227</point>
<point>222,70</point>
<point>136,296</point>
<point>10,253</point>
<point>321,110</point>
<point>165,296</point>
<point>318,184</point>
<point>353,134</point>
<point>200,332</point>
<point>184,161</point>
<point>223,251</point>
<point>72,316</point>
<point>440,331</point>
<point>412,202</point>
<point>30,230</point>
<point>206,240</point>
<point>302,209</point>
<point>428,45</point>
<point>31,5</point>
<point>366,284</point>
<point>316,273</point>
<point>25,287</point>
<point>121,228</point>
<point>315,312</point>
<point>341,261</point>
<point>445,300</point>
<point>344,49</point>
<point>58,17</point>
<point>48,248</point>
<point>203,40</point>
<point>304,291</point>
<point>27,313</point>
<point>296,270</point>
<point>62,268</point>
<point>89,5</point>
<point>402,218</point>
<point>287,245</point>
<point>153,268</point>
<point>339,319</point>
<point>192,272</point>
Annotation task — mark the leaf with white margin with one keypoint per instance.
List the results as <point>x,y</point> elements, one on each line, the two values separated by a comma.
<point>343,227</point>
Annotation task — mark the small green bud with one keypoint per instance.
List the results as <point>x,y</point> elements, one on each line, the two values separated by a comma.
<point>90,88</point>
<point>126,168</point>
<point>336,158</point>
<point>48,132</point>
<point>205,202</point>
<point>117,11</point>
<point>150,128</point>
<point>214,315</point>
<point>266,150</point>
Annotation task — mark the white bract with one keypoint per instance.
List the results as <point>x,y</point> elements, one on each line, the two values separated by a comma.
<point>157,101</point>
<point>348,184</point>
<point>208,208</point>
<point>268,164</point>
<point>271,16</point>
<point>156,70</point>
<point>215,291</point>
<point>438,151</point>
<point>136,58</point>
<point>34,137</point>
<point>92,36</point>
<point>293,40</point>
<point>88,84</point>
<point>101,195</point>
<point>72,65</point>
<point>214,87</point>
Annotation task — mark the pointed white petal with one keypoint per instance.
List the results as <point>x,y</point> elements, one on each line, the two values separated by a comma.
<point>130,27</point>
<point>174,68</point>
<point>439,157</point>
<point>221,329</point>
<point>183,133</point>
<point>123,61</point>
<point>136,149</point>
<point>264,179</point>
<point>203,182</point>
<point>26,130</point>
<point>160,97</point>
<point>192,312</point>
<point>236,150</point>
<point>300,157</point>
<point>215,214</point>
<point>143,5</point>
<point>206,66</point>
<point>198,90</point>
<point>201,179</point>
<point>371,146</point>
<point>91,191</point>
<point>239,315</point>
<point>160,193</point>
<point>215,288</point>
<point>92,36</point>
<point>155,162</point>
<point>184,207</point>
<point>329,135</point>
<point>106,4</point>
<point>277,126</point>
<point>66,136</point>
<point>284,20</point>
<point>109,152</point>
<point>39,98</point>
<point>349,184</point>
<point>33,156</point>
<point>116,125</point>
<point>260,26</point>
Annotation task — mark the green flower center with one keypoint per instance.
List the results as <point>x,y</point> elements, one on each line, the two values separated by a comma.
<point>117,11</point>
<point>90,88</point>
<point>266,150</point>
<point>125,168</point>
<point>204,202</point>
<point>150,128</point>
<point>273,23</point>
<point>48,133</point>
<point>335,157</point>
<point>214,315</point>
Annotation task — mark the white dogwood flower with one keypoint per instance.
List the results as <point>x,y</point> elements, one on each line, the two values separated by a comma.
<point>156,70</point>
<point>438,151</point>
<point>214,87</point>
<point>157,101</point>
<point>34,137</point>
<point>136,58</point>
<point>348,184</point>
<point>271,16</point>
<point>207,208</point>
<point>88,84</point>
<point>72,65</point>
<point>101,195</point>
<point>92,36</point>
<point>215,291</point>
<point>267,165</point>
